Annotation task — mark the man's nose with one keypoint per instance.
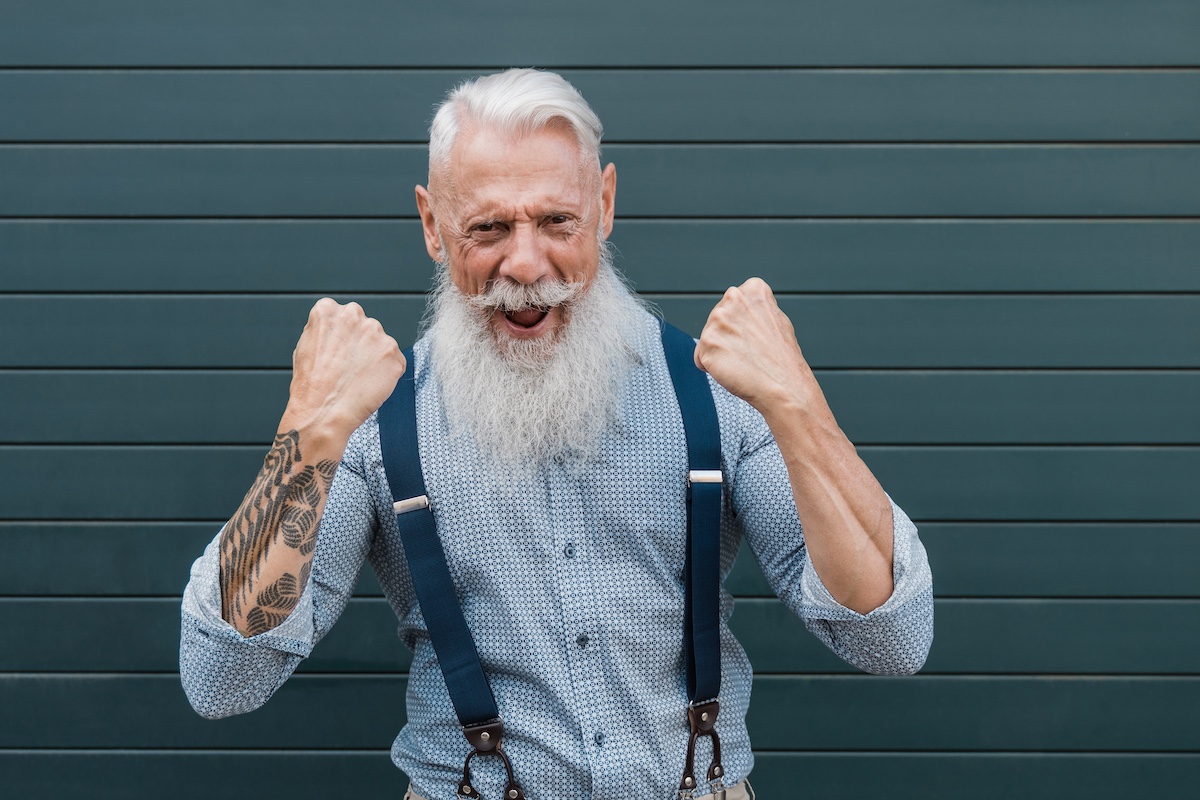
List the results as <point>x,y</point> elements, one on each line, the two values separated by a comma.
<point>526,261</point>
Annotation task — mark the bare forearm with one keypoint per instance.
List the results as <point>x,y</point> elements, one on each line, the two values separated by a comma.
<point>749,346</point>
<point>267,547</point>
<point>846,516</point>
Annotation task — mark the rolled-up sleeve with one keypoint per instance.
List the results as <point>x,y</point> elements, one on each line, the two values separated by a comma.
<point>895,638</point>
<point>224,673</point>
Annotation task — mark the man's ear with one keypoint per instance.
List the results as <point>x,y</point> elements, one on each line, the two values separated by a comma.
<point>433,242</point>
<point>608,198</point>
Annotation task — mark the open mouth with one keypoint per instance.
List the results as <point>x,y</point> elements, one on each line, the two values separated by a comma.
<point>526,317</point>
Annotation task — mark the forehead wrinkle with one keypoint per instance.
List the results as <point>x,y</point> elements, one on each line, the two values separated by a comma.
<point>451,190</point>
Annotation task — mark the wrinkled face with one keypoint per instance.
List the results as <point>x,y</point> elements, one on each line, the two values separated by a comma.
<point>523,208</point>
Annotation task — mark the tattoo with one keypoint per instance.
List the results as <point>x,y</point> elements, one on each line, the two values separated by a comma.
<point>281,508</point>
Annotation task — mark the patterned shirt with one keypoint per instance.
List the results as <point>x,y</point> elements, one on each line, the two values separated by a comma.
<point>571,582</point>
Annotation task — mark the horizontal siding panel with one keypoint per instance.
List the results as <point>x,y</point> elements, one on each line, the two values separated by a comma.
<point>977,637</point>
<point>975,713</point>
<point>931,483</point>
<point>197,775</point>
<point>874,331</point>
<point>968,559</point>
<point>338,256</point>
<point>763,32</point>
<point>635,105</point>
<point>973,636</point>
<point>1063,560</point>
<point>992,776</point>
<point>929,407</point>
<point>656,180</point>
<point>845,712</point>
<point>119,775</point>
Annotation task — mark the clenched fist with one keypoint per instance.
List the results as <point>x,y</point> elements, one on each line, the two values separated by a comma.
<point>749,346</point>
<point>343,368</point>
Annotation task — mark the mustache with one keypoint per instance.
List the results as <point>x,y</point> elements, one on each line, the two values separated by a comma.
<point>508,295</point>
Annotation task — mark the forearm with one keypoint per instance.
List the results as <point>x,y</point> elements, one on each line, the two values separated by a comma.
<point>844,512</point>
<point>267,547</point>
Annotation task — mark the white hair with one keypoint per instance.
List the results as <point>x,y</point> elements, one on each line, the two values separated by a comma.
<point>518,101</point>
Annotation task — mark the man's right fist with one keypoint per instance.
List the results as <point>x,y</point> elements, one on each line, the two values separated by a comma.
<point>343,368</point>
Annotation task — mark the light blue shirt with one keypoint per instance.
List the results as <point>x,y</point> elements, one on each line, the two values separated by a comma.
<point>571,584</point>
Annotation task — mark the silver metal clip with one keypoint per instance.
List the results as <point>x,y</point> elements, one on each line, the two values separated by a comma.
<point>411,504</point>
<point>704,476</point>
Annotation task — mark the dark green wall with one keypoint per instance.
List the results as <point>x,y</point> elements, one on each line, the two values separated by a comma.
<point>983,218</point>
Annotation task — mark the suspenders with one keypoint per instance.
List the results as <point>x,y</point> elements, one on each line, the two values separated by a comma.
<point>468,687</point>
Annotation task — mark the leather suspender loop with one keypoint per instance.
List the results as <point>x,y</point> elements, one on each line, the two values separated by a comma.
<point>487,739</point>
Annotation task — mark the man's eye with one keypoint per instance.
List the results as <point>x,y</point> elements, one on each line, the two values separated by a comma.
<point>486,227</point>
<point>559,219</point>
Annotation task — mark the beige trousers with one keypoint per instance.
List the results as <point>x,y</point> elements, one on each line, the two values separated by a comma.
<point>741,791</point>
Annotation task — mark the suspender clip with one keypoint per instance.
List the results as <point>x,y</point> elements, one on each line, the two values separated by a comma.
<point>704,476</point>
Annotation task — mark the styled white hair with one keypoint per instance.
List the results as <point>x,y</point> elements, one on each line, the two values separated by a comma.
<point>518,101</point>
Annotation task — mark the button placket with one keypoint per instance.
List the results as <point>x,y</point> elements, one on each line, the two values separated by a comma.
<point>575,590</point>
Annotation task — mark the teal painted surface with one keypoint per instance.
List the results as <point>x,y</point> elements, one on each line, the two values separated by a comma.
<point>657,180</point>
<point>793,255</point>
<point>971,559</point>
<point>392,106</point>
<point>981,217</point>
<point>841,713</point>
<point>1084,637</point>
<point>868,331</point>
<point>235,33</point>
<point>198,774</point>
<point>206,406</point>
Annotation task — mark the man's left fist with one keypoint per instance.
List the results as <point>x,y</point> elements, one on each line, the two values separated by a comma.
<point>749,346</point>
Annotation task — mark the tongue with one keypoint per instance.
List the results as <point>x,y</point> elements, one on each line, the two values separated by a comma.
<point>527,317</point>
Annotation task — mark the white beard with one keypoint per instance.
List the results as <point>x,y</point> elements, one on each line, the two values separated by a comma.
<point>525,401</point>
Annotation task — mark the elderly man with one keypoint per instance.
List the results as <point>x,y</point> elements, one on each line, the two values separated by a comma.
<point>552,448</point>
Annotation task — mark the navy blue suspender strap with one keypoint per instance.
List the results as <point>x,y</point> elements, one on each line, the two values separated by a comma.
<point>468,687</point>
<point>465,680</point>
<point>702,559</point>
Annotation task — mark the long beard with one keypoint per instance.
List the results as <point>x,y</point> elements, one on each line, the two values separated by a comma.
<point>524,401</point>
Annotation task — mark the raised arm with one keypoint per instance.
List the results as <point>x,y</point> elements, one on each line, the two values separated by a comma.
<point>750,348</point>
<point>343,368</point>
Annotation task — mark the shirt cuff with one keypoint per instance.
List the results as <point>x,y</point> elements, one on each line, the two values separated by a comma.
<point>911,577</point>
<point>202,602</point>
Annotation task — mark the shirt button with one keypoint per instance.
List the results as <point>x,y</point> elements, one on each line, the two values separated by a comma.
<point>559,459</point>
<point>569,550</point>
<point>599,739</point>
<point>582,641</point>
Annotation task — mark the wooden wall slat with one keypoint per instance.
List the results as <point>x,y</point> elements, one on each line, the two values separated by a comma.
<point>931,407</point>
<point>1085,637</point>
<point>873,331</point>
<point>656,180</point>
<point>97,559</point>
<point>199,775</point>
<point>635,105</point>
<point>761,32</point>
<point>341,256</point>
<point>841,712</point>
<point>999,483</point>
